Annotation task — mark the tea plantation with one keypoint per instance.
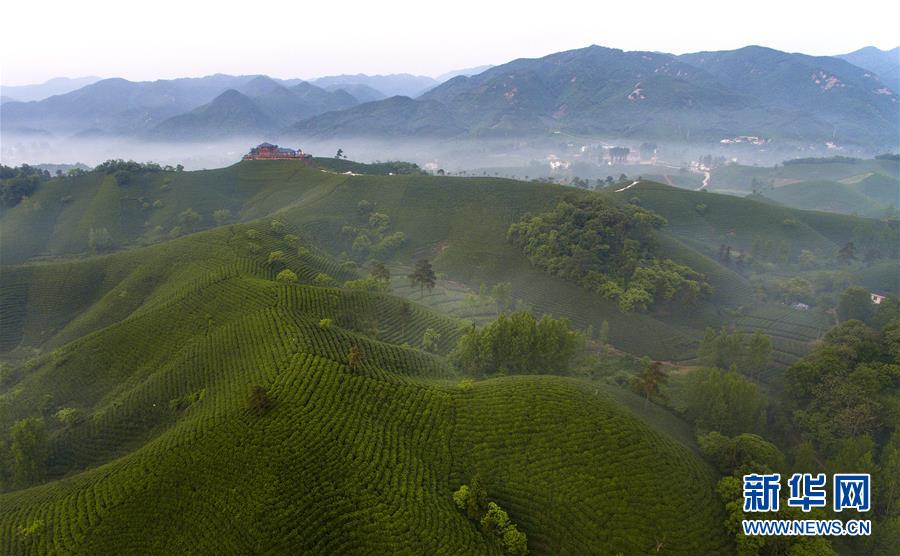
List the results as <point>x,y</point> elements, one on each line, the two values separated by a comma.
<point>160,349</point>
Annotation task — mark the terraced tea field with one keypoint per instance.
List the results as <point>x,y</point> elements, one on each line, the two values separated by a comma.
<point>353,456</point>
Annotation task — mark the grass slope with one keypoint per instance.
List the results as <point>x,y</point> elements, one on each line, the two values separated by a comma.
<point>348,460</point>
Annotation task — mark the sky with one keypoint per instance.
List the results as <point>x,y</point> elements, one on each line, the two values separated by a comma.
<point>164,39</point>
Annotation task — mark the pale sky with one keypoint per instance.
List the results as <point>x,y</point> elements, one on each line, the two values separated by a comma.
<point>163,39</point>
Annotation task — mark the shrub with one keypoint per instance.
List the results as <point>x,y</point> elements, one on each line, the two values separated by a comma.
<point>258,400</point>
<point>69,416</point>
<point>287,276</point>
<point>323,280</point>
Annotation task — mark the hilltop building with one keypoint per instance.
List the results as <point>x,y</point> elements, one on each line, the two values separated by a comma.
<point>268,151</point>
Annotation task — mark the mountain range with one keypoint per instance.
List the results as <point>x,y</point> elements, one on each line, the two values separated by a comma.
<point>40,91</point>
<point>593,91</point>
<point>607,92</point>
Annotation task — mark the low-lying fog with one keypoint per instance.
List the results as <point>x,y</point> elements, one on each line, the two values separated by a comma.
<point>581,156</point>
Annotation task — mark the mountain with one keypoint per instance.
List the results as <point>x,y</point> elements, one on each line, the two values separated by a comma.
<point>397,116</point>
<point>288,105</point>
<point>592,90</point>
<point>55,86</point>
<point>362,93</point>
<point>229,114</point>
<point>859,106</point>
<point>467,71</point>
<point>607,92</point>
<point>403,84</point>
<point>117,106</point>
<point>884,63</point>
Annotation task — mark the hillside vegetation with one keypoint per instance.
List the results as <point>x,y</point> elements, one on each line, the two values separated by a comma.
<point>353,441</point>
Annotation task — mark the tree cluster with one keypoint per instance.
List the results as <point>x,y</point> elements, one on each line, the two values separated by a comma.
<point>473,501</point>
<point>519,344</point>
<point>748,353</point>
<point>609,249</point>
<point>19,182</point>
<point>371,235</point>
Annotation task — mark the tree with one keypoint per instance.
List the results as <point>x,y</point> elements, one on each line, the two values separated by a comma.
<point>258,400</point>
<point>287,276</point>
<point>69,416</point>
<point>99,239</point>
<point>648,381</point>
<point>340,154</point>
<point>477,500</point>
<point>380,271</point>
<point>354,357</point>
<point>430,339</point>
<point>221,216</point>
<point>759,352</point>
<point>28,445</point>
<point>517,343</point>
<point>276,258</point>
<point>323,280</point>
<point>424,276</point>
<point>603,335</point>
<point>855,304</point>
<point>847,253</point>
<point>724,401</point>
<point>494,520</point>
<point>502,294</point>
<point>189,219</point>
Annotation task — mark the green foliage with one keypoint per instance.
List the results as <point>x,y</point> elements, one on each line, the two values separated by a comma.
<point>222,216</point>
<point>856,304</point>
<point>423,275</point>
<point>323,280</point>
<point>430,339</point>
<point>69,416</point>
<point>189,219</point>
<point>369,284</point>
<point>610,250</point>
<point>258,400</point>
<point>724,401</point>
<point>493,519</point>
<point>28,445</point>
<point>647,383</point>
<point>17,183</point>
<point>519,344</point>
<point>287,276</point>
<point>734,349</point>
<point>748,451</point>
<point>99,239</point>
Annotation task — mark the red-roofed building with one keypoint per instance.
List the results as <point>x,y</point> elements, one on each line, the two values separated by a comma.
<point>268,151</point>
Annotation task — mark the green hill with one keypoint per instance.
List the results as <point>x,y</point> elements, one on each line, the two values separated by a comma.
<point>459,223</point>
<point>156,348</point>
<point>828,196</point>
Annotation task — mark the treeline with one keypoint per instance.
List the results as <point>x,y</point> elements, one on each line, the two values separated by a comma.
<point>821,160</point>
<point>837,410</point>
<point>124,171</point>
<point>608,249</point>
<point>19,182</point>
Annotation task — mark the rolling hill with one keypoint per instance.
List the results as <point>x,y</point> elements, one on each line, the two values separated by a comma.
<point>459,223</point>
<point>831,196</point>
<point>348,457</point>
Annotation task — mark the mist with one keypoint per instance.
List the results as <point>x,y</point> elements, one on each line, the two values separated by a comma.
<point>560,157</point>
